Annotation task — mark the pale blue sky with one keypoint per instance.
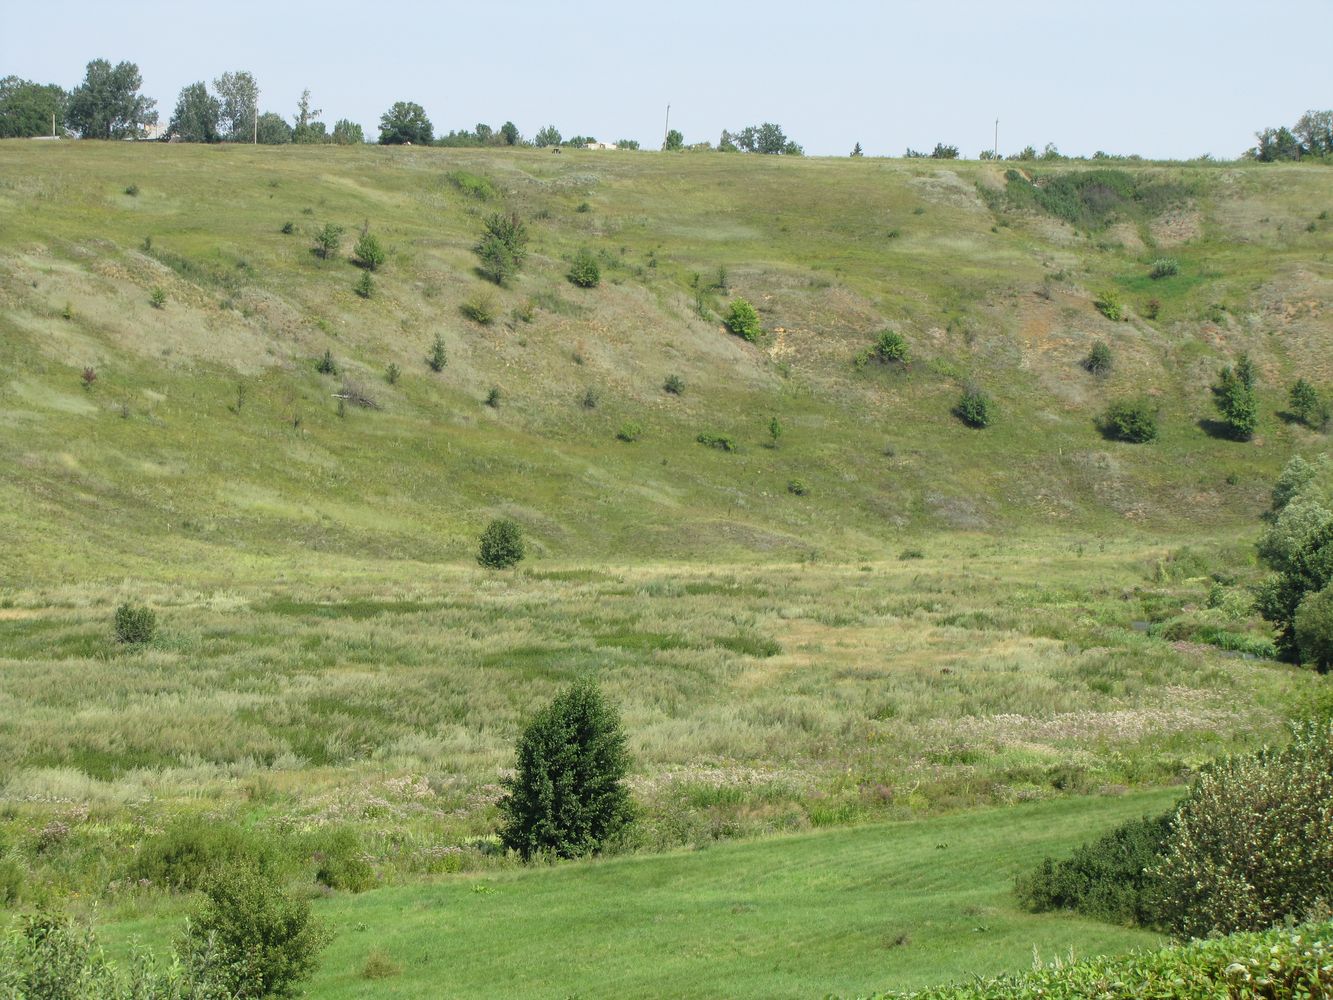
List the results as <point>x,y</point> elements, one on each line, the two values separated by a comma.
<point>1163,79</point>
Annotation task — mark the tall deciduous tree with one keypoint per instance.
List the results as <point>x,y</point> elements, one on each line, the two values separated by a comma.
<point>196,116</point>
<point>238,94</point>
<point>509,133</point>
<point>404,123</point>
<point>273,129</point>
<point>108,105</point>
<point>548,136</point>
<point>26,108</point>
<point>308,129</point>
<point>347,133</point>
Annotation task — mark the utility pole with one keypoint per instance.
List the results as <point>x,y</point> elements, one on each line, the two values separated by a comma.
<point>666,131</point>
<point>996,150</point>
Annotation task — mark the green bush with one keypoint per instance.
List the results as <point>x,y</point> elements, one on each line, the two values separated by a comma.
<point>674,384</point>
<point>503,247</point>
<point>341,863</point>
<point>742,320</point>
<point>629,431</point>
<point>1313,629</point>
<point>1109,304</point>
<point>1252,845</point>
<point>567,797</point>
<point>328,240</point>
<point>251,936</point>
<point>392,373</point>
<point>480,309</point>
<point>1234,396</point>
<point>974,408</point>
<point>719,441</point>
<point>1164,267</point>
<point>134,624</point>
<point>1098,361</point>
<point>326,365</point>
<point>501,544</point>
<point>158,298</point>
<point>365,285</point>
<point>891,347</point>
<point>369,252</point>
<point>493,397</point>
<point>1297,545</point>
<point>1107,879</point>
<point>1309,407</point>
<point>797,487</point>
<point>437,358</point>
<point>1281,964</point>
<point>1132,420</point>
<point>182,856</point>
<point>584,271</point>
<point>13,876</point>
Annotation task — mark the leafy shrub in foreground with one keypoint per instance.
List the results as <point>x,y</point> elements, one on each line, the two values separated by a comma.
<point>501,544</point>
<point>1107,879</point>
<point>1252,845</point>
<point>251,936</point>
<point>1132,420</point>
<point>743,321</point>
<point>568,797</point>
<point>1279,964</point>
<point>891,347</point>
<point>503,247</point>
<point>135,624</point>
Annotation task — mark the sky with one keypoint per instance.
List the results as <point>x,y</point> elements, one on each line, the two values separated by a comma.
<point>1163,79</point>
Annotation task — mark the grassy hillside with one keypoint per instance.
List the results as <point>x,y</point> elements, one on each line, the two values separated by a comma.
<point>846,912</point>
<point>942,618</point>
<point>156,462</point>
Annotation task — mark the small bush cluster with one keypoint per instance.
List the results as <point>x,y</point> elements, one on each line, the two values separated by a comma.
<point>326,365</point>
<point>1132,420</point>
<point>674,384</point>
<point>134,624</point>
<point>743,320</point>
<point>974,407</point>
<point>183,856</point>
<point>584,270</point>
<point>797,487</point>
<point>629,432</point>
<point>501,544</point>
<point>342,864</point>
<point>503,247</point>
<point>1110,305</point>
<point>1236,400</point>
<point>369,253</point>
<point>438,357</point>
<point>719,441</point>
<point>1107,879</point>
<point>1098,361</point>
<point>1164,267</point>
<point>891,347</point>
<point>480,309</point>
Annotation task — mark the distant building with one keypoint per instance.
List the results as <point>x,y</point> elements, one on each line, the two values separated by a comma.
<point>601,145</point>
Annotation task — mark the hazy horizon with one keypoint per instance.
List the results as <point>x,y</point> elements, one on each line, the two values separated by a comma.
<point>1162,81</point>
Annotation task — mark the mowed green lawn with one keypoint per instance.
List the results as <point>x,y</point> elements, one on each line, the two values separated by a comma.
<point>844,912</point>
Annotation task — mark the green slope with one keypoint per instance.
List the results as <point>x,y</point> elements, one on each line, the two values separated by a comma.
<point>156,462</point>
<point>846,912</point>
